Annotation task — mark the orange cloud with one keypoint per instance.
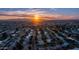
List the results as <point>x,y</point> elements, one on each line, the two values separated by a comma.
<point>10,17</point>
<point>29,15</point>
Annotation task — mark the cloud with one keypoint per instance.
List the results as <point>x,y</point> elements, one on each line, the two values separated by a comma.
<point>28,14</point>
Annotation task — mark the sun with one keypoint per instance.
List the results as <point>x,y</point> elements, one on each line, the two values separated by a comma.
<point>36,19</point>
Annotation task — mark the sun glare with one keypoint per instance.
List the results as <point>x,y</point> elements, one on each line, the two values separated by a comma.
<point>36,19</point>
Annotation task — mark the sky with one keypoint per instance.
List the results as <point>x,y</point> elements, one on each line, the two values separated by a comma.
<point>44,13</point>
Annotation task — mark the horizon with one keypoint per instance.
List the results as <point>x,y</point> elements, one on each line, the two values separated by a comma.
<point>44,13</point>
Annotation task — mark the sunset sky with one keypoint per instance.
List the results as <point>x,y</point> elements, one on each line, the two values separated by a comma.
<point>44,13</point>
